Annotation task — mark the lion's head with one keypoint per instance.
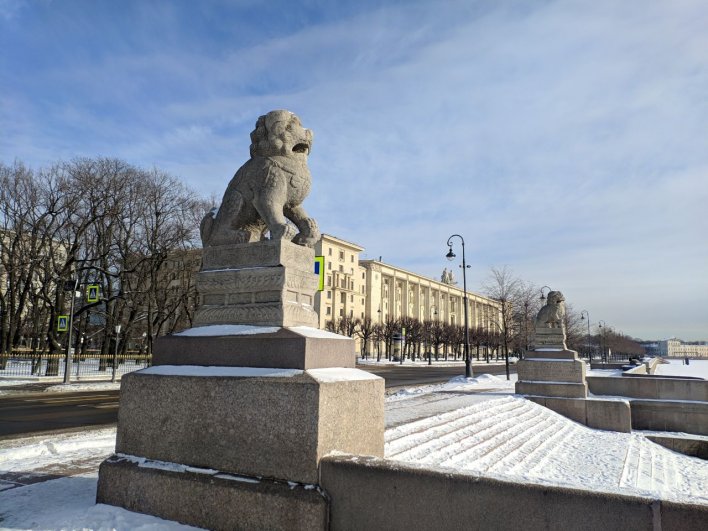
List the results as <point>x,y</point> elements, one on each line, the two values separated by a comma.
<point>280,133</point>
<point>555,298</point>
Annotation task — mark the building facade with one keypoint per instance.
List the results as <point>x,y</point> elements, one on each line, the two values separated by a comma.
<point>392,292</point>
<point>675,348</point>
<point>371,288</point>
<point>344,283</point>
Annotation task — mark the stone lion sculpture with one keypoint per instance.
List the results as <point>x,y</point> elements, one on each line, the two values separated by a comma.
<point>552,315</point>
<point>268,190</point>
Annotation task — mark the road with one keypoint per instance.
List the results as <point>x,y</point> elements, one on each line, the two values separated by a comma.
<point>406,375</point>
<point>27,413</point>
<point>35,412</point>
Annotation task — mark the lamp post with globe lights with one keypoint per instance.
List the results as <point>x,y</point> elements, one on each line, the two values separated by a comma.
<point>451,256</point>
<point>601,324</point>
<point>583,315</point>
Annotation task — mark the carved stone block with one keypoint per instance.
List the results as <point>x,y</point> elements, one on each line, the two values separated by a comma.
<point>260,254</point>
<point>268,283</point>
<point>549,338</point>
<point>552,372</point>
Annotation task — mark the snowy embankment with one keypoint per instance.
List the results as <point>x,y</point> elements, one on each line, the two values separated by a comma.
<point>472,425</point>
<point>514,439</point>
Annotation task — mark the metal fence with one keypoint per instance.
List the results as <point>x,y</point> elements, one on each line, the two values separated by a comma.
<point>89,366</point>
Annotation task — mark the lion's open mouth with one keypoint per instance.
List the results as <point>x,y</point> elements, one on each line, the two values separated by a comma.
<point>301,148</point>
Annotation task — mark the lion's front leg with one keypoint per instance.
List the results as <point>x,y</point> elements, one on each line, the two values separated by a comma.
<point>271,210</point>
<point>309,232</point>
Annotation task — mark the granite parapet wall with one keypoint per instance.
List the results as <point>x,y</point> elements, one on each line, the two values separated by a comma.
<point>368,493</point>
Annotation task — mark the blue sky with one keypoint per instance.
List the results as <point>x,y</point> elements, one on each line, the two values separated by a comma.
<point>566,139</point>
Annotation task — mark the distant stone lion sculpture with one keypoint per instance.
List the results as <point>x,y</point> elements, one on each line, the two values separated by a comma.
<point>552,315</point>
<point>268,189</point>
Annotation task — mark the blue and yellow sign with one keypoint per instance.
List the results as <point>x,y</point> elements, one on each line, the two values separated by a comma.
<point>62,323</point>
<point>92,293</point>
<point>319,271</point>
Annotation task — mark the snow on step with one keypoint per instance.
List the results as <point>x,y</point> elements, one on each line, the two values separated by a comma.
<point>515,439</point>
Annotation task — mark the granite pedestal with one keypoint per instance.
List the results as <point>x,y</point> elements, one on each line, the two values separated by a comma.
<point>552,372</point>
<point>289,348</point>
<point>268,427</point>
<point>269,283</point>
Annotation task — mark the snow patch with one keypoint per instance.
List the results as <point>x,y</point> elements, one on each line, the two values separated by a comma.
<point>242,479</point>
<point>227,330</point>
<point>339,374</point>
<point>144,462</point>
<point>308,331</point>
<point>240,372</point>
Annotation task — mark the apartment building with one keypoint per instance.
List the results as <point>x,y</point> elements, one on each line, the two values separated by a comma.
<point>675,348</point>
<point>371,288</point>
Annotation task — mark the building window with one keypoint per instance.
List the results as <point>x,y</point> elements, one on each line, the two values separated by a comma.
<point>341,269</point>
<point>351,298</point>
<point>329,280</point>
<point>329,310</point>
<point>352,258</point>
<point>341,255</point>
<point>363,276</point>
<point>329,251</point>
<point>343,297</point>
<point>341,312</point>
<point>329,266</point>
<point>329,294</point>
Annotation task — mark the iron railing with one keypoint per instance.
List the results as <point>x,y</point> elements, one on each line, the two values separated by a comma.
<point>87,366</point>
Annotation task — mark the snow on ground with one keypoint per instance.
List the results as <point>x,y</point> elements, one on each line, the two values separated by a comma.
<point>58,387</point>
<point>514,439</point>
<point>69,503</point>
<point>696,369</point>
<point>475,425</point>
<point>477,366</point>
<point>76,387</point>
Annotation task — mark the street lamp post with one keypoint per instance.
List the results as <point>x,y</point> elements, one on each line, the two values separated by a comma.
<point>526,327</point>
<point>70,285</point>
<point>582,316</point>
<point>601,324</point>
<point>115,354</point>
<point>450,256</point>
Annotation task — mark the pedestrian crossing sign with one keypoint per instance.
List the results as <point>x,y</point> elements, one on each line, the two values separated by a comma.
<point>92,293</point>
<point>62,323</point>
<point>319,271</point>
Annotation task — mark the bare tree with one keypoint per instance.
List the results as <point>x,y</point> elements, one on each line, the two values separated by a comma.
<point>366,333</point>
<point>437,336</point>
<point>99,221</point>
<point>379,337</point>
<point>391,326</point>
<point>503,286</point>
<point>348,326</point>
